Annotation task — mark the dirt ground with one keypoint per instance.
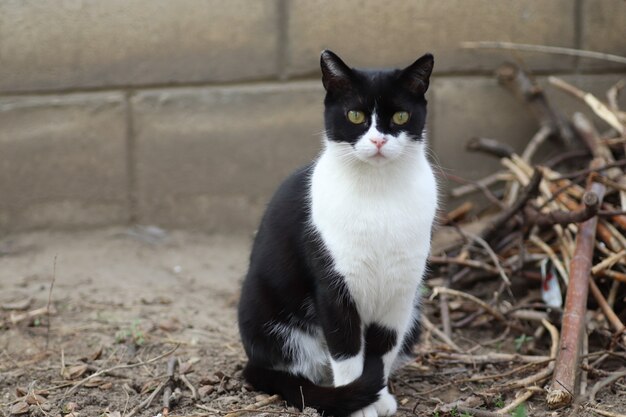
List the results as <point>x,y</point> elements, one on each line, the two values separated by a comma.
<point>124,298</point>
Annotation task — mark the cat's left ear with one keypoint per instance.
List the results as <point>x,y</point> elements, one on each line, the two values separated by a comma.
<point>416,77</point>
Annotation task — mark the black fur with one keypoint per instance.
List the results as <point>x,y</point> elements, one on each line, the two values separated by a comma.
<point>279,292</point>
<point>391,91</point>
<point>291,281</point>
<point>340,401</point>
<point>379,339</point>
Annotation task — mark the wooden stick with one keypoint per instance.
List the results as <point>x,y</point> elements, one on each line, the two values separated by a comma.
<point>116,367</point>
<point>608,262</point>
<point>599,108</point>
<point>613,377</point>
<point>555,260</point>
<point>525,88</point>
<point>54,274</point>
<point>471,263</point>
<point>613,93</point>
<point>618,276</point>
<point>605,413</point>
<point>17,318</point>
<point>459,212</point>
<point>443,290</point>
<point>558,50</point>
<point>490,147</point>
<point>576,174</point>
<point>146,403</point>
<point>535,142</point>
<point>473,186</point>
<point>563,388</point>
<point>608,312</point>
<point>547,371</point>
<point>563,217</point>
<point>491,358</point>
<point>525,396</point>
<point>444,309</point>
<point>172,365</point>
<point>441,335</point>
<point>267,401</point>
<point>530,190</point>
<point>474,412</point>
<point>491,254</point>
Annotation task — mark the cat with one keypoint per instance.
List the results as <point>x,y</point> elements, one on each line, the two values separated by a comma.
<point>331,301</point>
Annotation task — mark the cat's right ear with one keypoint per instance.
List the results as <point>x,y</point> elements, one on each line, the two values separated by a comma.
<point>336,75</point>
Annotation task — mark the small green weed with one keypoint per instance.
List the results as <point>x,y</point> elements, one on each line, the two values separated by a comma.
<point>521,341</point>
<point>520,411</point>
<point>133,334</point>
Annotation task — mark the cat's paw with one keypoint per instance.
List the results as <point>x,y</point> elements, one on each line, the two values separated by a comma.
<point>386,404</point>
<point>369,411</point>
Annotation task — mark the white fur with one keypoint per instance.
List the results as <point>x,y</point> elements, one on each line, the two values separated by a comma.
<point>347,370</point>
<point>401,360</point>
<point>366,150</point>
<point>310,352</point>
<point>386,404</point>
<point>374,211</point>
<point>369,411</point>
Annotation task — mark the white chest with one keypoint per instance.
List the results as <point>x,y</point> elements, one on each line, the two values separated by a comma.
<point>377,231</point>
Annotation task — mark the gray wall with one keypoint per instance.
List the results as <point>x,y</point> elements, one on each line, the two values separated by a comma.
<point>188,113</point>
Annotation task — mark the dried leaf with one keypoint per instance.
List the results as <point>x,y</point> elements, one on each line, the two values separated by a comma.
<point>20,391</point>
<point>205,390</point>
<point>95,382</point>
<point>209,380</point>
<point>74,372</point>
<point>149,386</point>
<point>70,407</point>
<point>169,325</point>
<point>221,375</point>
<point>106,386</point>
<point>185,368</point>
<point>20,408</point>
<point>18,305</point>
<point>34,398</point>
<point>95,355</point>
<point>157,300</point>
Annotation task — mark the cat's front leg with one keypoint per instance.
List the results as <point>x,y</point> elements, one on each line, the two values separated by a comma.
<point>384,341</point>
<point>342,328</point>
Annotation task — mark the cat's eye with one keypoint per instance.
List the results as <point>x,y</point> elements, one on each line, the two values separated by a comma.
<point>400,117</point>
<point>357,117</point>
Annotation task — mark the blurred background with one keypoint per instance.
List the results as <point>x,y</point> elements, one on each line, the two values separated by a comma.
<point>189,113</point>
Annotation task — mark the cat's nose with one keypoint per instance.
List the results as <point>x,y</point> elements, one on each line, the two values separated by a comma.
<point>379,141</point>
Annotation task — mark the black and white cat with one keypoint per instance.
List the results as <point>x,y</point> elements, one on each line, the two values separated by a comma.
<point>330,305</point>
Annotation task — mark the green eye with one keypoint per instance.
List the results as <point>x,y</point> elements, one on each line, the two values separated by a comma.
<point>400,117</point>
<point>356,117</point>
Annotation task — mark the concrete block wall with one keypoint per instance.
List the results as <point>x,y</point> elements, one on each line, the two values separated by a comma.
<point>189,113</point>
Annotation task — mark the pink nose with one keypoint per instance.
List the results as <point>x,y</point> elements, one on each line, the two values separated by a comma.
<point>379,142</point>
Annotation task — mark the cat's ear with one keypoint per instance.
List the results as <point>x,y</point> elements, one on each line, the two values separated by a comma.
<point>336,75</point>
<point>416,76</point>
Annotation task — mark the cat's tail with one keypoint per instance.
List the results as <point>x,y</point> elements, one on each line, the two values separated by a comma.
<point>298,391</point>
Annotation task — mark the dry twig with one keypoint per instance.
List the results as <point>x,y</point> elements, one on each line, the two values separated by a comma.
<point>563,388</point>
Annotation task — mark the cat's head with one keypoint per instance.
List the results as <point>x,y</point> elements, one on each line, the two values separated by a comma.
<point>375,116</point>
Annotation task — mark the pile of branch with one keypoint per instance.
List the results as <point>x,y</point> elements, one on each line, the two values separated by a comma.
<point>557,225</point>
